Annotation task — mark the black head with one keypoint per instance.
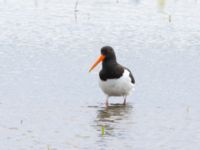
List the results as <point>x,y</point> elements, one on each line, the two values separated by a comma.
<point>107,56</point>
<point>108,52</point>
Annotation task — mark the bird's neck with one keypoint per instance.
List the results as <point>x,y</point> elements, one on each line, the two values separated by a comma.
<point>108,64</point>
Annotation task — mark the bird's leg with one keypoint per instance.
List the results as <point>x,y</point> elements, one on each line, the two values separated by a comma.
<point>124,103</point>
<point>107,101</point>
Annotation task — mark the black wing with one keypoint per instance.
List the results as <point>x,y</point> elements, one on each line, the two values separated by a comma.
<point>131,76</point>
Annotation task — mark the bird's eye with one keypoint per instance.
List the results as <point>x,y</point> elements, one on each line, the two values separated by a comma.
<point>104,52</point>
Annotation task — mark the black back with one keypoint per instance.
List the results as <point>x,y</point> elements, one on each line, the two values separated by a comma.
<point>110,68</point>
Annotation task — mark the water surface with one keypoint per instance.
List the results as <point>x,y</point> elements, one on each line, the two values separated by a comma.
<point>48,100</point>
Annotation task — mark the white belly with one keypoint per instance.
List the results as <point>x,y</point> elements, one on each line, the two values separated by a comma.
<point>117,87</point>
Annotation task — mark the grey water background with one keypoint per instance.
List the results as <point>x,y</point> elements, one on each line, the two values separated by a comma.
<point>48,100</point>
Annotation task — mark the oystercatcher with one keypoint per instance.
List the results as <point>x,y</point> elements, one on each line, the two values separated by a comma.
<point>115,79</point>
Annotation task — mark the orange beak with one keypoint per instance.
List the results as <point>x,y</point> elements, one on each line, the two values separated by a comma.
<point>100,59</point>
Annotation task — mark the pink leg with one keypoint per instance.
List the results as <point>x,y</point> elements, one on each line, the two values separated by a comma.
<point>124,103</point>
<point>107,103</point>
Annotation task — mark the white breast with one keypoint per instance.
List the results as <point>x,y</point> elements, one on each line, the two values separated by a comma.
<point>117,87</point>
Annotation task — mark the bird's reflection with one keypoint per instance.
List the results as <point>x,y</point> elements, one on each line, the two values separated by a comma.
<point>112,115</point>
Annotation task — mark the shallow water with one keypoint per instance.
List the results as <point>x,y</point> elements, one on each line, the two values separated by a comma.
<point>48,100</point>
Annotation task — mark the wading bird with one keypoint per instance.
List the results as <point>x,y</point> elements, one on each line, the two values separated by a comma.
<point>114,79</point>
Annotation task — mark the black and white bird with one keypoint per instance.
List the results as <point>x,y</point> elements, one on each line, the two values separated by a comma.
<point>114,79</point>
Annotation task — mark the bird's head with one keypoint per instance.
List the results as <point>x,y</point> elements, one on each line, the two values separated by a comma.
<point>107,53</point>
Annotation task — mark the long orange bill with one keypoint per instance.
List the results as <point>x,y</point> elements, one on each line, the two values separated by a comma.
<point>100,59</point>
